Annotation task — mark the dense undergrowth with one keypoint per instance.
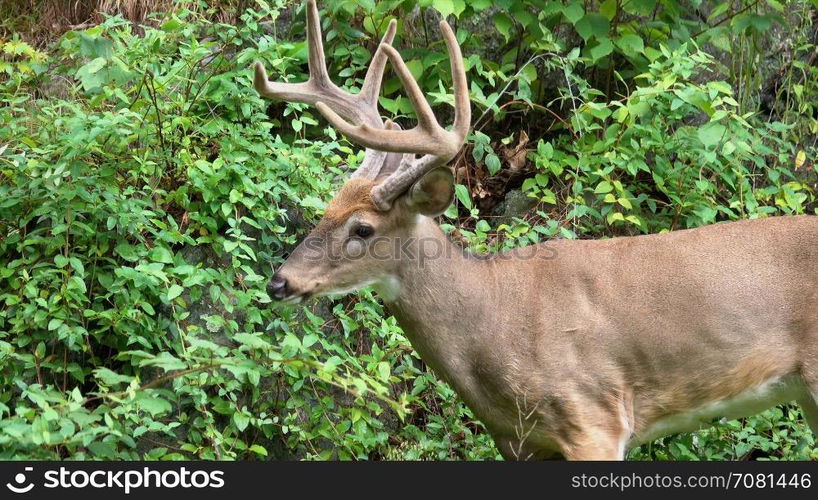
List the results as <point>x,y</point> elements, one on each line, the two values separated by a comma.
<point>147,192</point>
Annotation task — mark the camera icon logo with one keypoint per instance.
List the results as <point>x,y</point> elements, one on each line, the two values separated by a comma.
<point>20,485</point>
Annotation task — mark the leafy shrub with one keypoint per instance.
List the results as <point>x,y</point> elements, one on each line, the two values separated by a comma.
<point>147,192</point>
<point>673,154</point>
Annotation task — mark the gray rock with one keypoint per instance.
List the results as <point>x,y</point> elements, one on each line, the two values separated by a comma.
<point>515,204</point>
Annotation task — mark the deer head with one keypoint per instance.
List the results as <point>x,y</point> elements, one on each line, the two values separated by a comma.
<point>403,175</point>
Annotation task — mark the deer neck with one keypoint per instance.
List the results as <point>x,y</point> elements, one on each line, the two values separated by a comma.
<point>437,295</point>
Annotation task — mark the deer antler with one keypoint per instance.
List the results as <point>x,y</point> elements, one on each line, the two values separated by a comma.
<point>436,144</point>
<point>429,138</point>
<point>360,108</point>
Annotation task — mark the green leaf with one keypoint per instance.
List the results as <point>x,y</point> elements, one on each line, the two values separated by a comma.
<point>102,449</point>
<point>462,194</point>
<point>384,371</point>
<point>39,351</point>
<point>800,157</point>
<point>603,187</point>
<point>634,220</point>
<point>711,133</point>
<point>77,265</point>
<point>258,450</point>
<point>493,163</point>
<point>755,22</point>
<point>445,7</point>
<point>109,377</point>
<point>174,291</point>
<point>154,405</point>
<point>545,149</point>
<point>614,217</point>
<point>639,7</point>
<point>415,68</point>
<point>593,26</point>
<point>630,45</point>
<point>161,254</point>
<point>241,420</point>
<point>503,23</point>
<point>76,283</point>
<point>172,25</point>
<point>608,9</point>
<point>601,49</point>
<point>573,12</point>
<point>166,361</point>
<point>88,75</point>
<point>252,340</point>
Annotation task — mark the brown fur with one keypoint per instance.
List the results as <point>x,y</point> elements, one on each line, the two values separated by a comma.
<point>353,196</point>
<point>582,347</point>
<point>706,386</point>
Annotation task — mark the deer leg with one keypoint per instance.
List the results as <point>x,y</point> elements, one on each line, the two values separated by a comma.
<point>597,446</point>
<point>809,372</point>
<point>809,402</point>
<point>601,439</point>
<point>809,407</point>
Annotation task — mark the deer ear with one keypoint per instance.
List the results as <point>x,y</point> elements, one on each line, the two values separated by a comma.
<point>433,193</point>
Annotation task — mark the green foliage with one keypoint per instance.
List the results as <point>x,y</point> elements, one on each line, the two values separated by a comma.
<point>147,192</point>
<point>776,434</point>
<point>672,154</point>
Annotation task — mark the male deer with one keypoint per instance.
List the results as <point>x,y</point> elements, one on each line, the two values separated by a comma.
<point>572,348</point>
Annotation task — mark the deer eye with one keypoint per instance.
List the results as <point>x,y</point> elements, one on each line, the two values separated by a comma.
<point>364,231</point>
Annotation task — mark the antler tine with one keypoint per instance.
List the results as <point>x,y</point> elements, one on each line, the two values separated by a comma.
<point>373,160</point>
<point>370,90</point>
<point>462,105</point>
<point>300,92</point>
<point>360,108</point>
<point>425,115</point>
<point>428,137</point>
<point>374,75</point>
<point>412,169</point>
<point>316,61</point>
<point>437,144</point>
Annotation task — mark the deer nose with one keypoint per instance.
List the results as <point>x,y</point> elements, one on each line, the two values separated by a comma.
<point>277,287</point>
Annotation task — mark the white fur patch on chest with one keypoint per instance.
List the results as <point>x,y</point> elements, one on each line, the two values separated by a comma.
<point>751,401</point>
<point>387,288</point>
